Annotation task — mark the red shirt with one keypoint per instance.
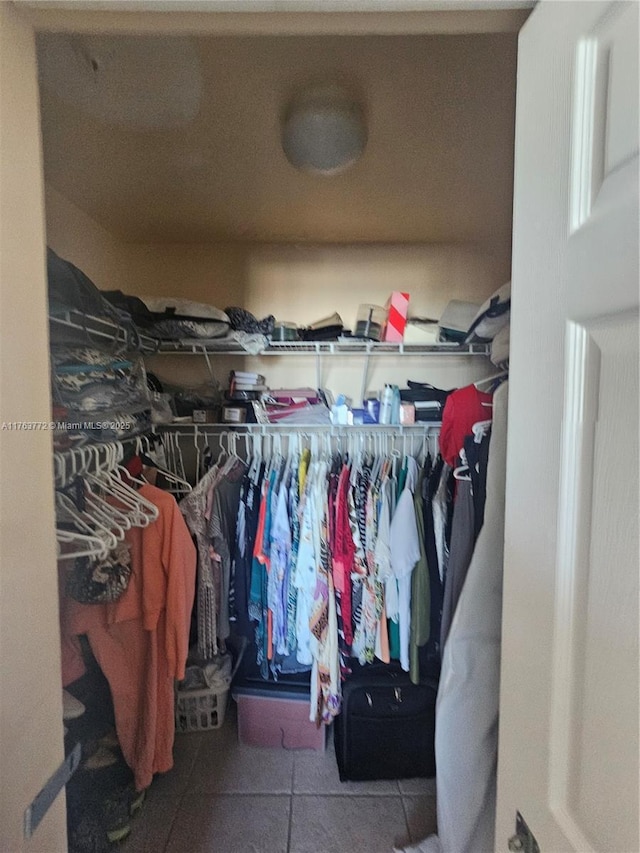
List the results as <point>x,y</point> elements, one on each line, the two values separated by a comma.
<point>463,409</point>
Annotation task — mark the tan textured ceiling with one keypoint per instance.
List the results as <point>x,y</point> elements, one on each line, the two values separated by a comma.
<point>437,168</point>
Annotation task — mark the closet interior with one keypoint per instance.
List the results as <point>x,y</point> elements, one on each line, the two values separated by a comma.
<point>264,490</point>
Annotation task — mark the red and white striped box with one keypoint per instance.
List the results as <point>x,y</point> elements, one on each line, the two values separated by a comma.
<point>398,306</point>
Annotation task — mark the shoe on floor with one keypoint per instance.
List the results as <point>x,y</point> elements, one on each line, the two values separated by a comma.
<point>110,740</point>
<point>115,836</point>
<point>72,708</point>
<point>100,759</point>
<point>115,815</point>
<point>137,802</point>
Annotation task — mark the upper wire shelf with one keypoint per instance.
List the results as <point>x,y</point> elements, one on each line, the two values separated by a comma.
<point>354,347</point>
<point>105,329</point>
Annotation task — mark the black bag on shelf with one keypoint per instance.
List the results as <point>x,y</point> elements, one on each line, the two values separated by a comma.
<point>428,400</point>
<point>71,290</point>
<point>386,729</point>
<point>419,392</point>
<point>131,305</point>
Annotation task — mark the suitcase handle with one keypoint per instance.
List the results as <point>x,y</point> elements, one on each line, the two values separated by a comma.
<point>397,692</point>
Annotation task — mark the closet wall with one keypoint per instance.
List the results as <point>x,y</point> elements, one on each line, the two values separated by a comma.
<point>30,700</point>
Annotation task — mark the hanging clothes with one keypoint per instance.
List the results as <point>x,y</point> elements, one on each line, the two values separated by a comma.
<point>321,554</point>
<point>420,584</point>
<point>462,544</point>
<point>477,454</point>
<point>405,553</point>
<point>463,408</point>
<point>246,529</point>
<point>468,696</point>
<point>141,641</point>
<point>221,534</point>
<point>437,495</point>
<point>194,509</point>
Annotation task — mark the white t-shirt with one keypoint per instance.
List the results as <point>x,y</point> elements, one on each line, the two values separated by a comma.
<point>405,553</point>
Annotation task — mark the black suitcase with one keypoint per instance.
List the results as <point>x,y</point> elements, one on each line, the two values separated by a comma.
<point>386,729</point>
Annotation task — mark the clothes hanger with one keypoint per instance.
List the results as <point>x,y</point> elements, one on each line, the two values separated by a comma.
<point>256,458</point>
<point>179,469</point>
<point>462,472</point>
<point>87,523</point>
<point>169,476</point>
<point>97,478</point>
<point>489,379</point>
<point>119,521</point>
<point>111,483</point>
<point>480,429</point>
<point>395,456</point>
<point>291,447</point>
<point>196,442</point>
<point>148,512</point>
<point>88,545</point>
<point>377,462</point>
<point>144,512</point>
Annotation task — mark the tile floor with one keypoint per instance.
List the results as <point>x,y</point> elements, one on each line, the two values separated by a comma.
<point>223,797</point>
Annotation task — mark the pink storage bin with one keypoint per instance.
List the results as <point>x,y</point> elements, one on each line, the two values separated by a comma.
<point>277,721</point>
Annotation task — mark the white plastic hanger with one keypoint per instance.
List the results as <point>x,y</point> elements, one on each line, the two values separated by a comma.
<point>256,457</point>
<point>480,429</point>
<point>169,476</point>
<point>489,379</point>
<point>142,511</point>
<point>87,523</point>
<point>462,472</point>
<point>88,545</point>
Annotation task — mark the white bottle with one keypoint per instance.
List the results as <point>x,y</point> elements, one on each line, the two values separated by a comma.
<point>386,404</point>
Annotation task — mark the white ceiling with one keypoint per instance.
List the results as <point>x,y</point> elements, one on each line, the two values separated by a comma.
<point>163,138</point>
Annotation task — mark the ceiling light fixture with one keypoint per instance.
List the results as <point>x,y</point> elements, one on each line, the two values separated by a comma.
<point>324,131</point>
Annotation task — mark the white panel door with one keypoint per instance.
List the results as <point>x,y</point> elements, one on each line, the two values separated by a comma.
<point>568,755</point>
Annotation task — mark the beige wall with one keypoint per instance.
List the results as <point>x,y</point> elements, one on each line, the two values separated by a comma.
<point>80,239</point>
<point>30,685</point>
<point>304,283</point>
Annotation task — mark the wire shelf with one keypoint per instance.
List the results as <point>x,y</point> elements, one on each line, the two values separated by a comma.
<point>347,347</point>
<point>108,330</point>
